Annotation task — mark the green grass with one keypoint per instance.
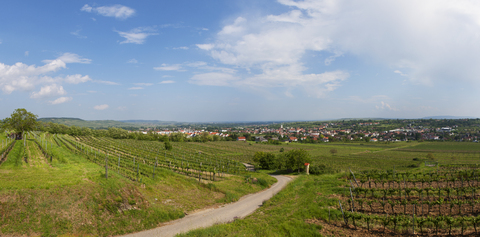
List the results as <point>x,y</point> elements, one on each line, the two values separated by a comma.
<point>306,197</point>
<point>15,157</point>
<point>309,198</point>
<point>449,146</point>
<point>70,195</point>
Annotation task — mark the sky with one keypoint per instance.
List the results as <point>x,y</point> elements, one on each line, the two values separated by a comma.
<point>240,60</point>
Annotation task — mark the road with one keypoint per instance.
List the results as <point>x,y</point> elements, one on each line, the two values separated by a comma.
<point>240,209</point>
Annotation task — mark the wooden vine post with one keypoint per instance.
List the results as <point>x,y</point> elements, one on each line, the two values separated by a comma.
<point>106,166</point>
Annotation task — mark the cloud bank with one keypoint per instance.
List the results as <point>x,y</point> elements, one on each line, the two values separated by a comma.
<point>118,11</point>
<point>22,77</point>
<point>426,41</point>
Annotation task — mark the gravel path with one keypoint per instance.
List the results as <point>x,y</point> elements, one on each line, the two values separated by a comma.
<point>240,209</point>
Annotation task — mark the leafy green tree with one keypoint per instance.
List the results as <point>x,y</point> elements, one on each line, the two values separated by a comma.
<point>266,160</point>
<point>296,158</point>
<point>178,137</point>
<point>73,131</point>
<point>205,137</point>
<point>168,145</point>
<point>117,133</point>
<point>20,121</point>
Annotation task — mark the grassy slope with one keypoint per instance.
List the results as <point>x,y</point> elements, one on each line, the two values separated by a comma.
<point>286,213</point>
<point>70,195</point>
<point>88,123</point>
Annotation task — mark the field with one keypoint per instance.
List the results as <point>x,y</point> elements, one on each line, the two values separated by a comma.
<point>61,184</point>
<point>48,187</point>
<point>393,194</point>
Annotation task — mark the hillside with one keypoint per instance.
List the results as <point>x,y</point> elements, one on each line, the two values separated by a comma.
<point>54,185</point>
<point>94,124</point>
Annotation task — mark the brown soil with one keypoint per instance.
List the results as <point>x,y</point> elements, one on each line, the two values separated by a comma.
<point>339,229</point>
<point>433,184</point>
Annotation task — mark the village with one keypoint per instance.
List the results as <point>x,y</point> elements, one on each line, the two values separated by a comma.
<point>334,131</point>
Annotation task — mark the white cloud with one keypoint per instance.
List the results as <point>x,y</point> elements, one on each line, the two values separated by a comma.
<point>143,84</point>
<point>427,41</point>
<point>117,11</point>
<point>78,35</point>
<point>237,27</point>
<point>86,8</point>
<point>70,58</point>
<point>165,67</point>
<point>48,91</point>
<point>137,35</point>
<point>22,77</point>
<point>26,53</point>
<point>214,79</point>
<point>165,76</point>
<point>61,100</point>
<point>205,46</point>
<point>134,61</point>
<point>101,107</point>
<point>166,82</point>
<point>77,78</point>
<point>183,47</point>
<point>122,108</point>
<point>110,83</point>
<point>386,106</point>
<point>205,66</point>
<point>401,73</point>
<point>136,88</point>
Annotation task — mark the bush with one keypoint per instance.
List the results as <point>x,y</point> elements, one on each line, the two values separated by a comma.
<point>266,160</point>
<point>262,182</point>
<point>321,169</point>
<point>168,146</point>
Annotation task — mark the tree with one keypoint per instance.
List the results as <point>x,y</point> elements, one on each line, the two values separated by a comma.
<point>168,146</point>
<point>20,121</point>
<point>266,160</point>
<point>296,158</point>
<point>205,137</point>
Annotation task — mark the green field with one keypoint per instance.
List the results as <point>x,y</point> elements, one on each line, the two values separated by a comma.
<point>69,194</point>
<point>56,185</point>
<point>309,205</point>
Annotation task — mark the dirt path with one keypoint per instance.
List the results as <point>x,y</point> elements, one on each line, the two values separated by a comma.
<point>244,207</point>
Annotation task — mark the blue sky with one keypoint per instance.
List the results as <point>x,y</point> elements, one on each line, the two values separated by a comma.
<point>240,60</point>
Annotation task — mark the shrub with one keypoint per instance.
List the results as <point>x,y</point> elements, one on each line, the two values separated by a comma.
<point>262,182</point>
<point>168,146</point>
<point>266,160</point>
<point>321,169</point>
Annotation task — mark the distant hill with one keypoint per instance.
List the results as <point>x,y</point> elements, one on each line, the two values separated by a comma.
<point>151,122</point>
<point>448,117</point>
<point>94,124</point>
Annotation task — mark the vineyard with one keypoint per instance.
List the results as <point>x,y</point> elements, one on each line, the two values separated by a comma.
<point>139,159</point>
<point>437,202</point>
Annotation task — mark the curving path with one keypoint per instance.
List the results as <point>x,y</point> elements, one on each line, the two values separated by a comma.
<point>240,209</point>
